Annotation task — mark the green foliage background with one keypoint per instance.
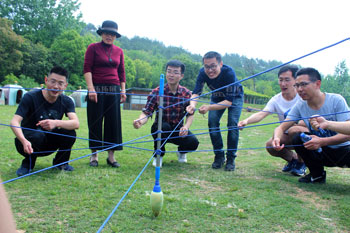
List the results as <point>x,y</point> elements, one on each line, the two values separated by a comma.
<point>37,34</point>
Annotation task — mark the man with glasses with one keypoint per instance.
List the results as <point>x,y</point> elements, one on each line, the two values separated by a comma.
<point>335,147</point>
<point>281,105</point>
<point>174,110</point>
<point>40,113</point>
<point>227,94</point>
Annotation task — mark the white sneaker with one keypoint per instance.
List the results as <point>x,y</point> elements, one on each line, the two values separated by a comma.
<point>181,157</point>
<point>155,161</point>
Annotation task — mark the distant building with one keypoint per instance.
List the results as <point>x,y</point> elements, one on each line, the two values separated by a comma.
<point>80,98</point>
<point>2,96</point>
<point>136,98</point>
<point>13,93</point>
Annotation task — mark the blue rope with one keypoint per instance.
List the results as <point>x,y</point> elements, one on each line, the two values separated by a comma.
<point>133,183</point>
<point>268,70</point>
<point>165,140</point>
<point>114,145</point>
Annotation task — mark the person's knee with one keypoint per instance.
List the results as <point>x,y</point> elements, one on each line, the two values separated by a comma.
<point>194,144</point>
<point>269,148</point>
<point>296,130</point>
<point>213,124</point>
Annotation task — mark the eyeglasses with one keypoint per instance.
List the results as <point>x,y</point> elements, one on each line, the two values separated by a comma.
<point>173,72</point>
<point>302,84</point>
<point>54,82</point>
<point>211,67</point>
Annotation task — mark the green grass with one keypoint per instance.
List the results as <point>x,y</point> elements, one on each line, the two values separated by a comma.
<point>256,197</point>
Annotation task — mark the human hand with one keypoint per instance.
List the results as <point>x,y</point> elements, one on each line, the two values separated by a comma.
<point>137,123</point>
<point>183,131</point>
<point>122,97</point>
<point>27,147</point>
<point>92,95</point>
<point>276,144</point>
<point>190,109</point>
<point>241,124</point>
<point>314,143</point>
<point>47,124</point>
<point>318,122</point>
<point>204,109</point>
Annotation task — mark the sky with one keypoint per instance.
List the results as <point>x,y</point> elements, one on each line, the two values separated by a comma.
<point>265,29</point>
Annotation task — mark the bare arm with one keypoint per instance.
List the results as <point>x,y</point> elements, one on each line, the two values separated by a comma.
<point>143,118</point>
<point>192,107</point>
<point>90,86</point>
<point>337,126</point>
<point>318,142</point>
<point>278,133</point>
<point>256,117</point>
<point>217,106</point>
<point>17,130</point>
<point>72,123</point>
<point>184,129</point>
<point>122,92</point>
<point>7,223</point>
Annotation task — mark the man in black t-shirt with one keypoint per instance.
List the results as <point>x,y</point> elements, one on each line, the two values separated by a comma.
<point>40,113</point>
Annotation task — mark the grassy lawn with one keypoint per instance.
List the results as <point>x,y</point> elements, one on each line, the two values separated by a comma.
<point>256,197</point>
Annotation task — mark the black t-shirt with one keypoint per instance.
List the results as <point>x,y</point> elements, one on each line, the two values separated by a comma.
<point>34,108</point>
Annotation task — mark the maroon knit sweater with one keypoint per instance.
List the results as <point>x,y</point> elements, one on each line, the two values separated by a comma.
<point>105,62</point>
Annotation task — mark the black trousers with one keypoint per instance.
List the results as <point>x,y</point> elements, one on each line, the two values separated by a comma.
<point>105,114</point>
<point>188,143</point>
<point>42,142</point>
<point>329,157</point>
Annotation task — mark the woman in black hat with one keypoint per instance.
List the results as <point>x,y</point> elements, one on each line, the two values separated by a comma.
<point>105,78</point>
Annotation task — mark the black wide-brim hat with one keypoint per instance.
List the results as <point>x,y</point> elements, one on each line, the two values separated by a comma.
<point>110,27</point>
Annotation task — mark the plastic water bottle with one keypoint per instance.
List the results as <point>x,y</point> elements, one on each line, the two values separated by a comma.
<point>305,138</point>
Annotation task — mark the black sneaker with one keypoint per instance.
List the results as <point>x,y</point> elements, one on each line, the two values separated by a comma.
<point>309,179</point>
<point>65,167</point>
<point>230,166</point>
<point>22,171</point>
<point>219,161</point>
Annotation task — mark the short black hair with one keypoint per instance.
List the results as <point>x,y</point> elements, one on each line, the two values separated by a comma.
<point>176,63</point>
<point>59,70</point>
<point>292,68</point>
<point>313,74</point>
<point>212,54</point>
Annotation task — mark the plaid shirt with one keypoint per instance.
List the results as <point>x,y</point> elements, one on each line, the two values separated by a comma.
<point>174,114</point>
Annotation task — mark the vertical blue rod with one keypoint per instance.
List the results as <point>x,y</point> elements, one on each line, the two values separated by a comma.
<point>160,116</point>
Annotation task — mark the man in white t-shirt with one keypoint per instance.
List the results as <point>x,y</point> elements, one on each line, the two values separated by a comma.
<point>280,104</point>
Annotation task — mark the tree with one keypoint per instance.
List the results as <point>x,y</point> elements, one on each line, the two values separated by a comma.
<point>36,61</point>
<point>191,71</point>
<point>10,54</point>
<point>143,74</point>
<point>130,71</point>
<point>42,20</point>
<point>343,79</point>
<point>10,79</point>
<point>28,82</point>
<point>68,51</point>
<point>339,82</point>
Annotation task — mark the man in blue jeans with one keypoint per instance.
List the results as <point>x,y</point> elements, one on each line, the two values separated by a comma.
<point>220,79</point>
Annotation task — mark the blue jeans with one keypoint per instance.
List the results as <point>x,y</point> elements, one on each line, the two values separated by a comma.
<point>234,112</point>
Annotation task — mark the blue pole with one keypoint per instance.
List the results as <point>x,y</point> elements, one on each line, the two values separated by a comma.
<point>157,194</point>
